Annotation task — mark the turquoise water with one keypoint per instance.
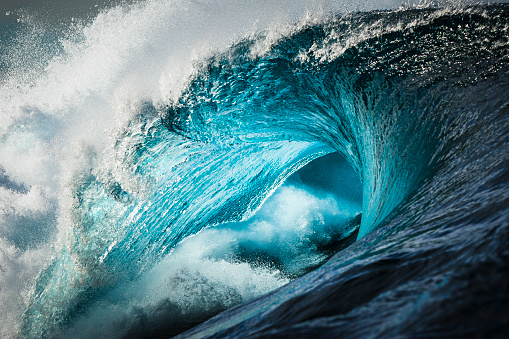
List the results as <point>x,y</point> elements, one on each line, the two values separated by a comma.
<point>327,171</point>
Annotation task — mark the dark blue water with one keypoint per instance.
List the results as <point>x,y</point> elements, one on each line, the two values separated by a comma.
<point>343,176</point>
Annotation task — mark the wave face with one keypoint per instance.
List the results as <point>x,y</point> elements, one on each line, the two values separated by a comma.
<point>146,187</point>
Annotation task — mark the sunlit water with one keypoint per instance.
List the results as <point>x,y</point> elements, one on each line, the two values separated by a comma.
<point>164,162</point>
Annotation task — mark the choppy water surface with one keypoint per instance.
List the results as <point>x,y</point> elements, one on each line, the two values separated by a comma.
<point>340,173</point>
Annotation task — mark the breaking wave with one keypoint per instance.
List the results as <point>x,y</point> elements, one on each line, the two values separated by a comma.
<point>331,171</point>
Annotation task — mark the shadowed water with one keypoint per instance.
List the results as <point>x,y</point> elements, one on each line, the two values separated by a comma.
<point>338,173</point>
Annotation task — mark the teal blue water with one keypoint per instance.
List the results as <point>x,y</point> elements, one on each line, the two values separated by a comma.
<point>346,176</point>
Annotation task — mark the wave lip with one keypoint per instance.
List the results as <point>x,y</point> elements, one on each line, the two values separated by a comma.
<point>416,106</point>
<point>415,101</point>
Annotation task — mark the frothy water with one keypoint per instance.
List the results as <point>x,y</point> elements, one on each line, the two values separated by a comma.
<point>162,162</point>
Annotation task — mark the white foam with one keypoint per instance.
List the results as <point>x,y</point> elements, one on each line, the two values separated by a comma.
<point>185,287</point>
<point>60,111</point>
<point>204,274</point>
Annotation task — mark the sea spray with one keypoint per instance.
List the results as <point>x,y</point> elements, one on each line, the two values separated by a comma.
<point>122,139</point>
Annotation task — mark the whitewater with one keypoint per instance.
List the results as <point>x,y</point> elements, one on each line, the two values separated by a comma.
<point>247,169</point>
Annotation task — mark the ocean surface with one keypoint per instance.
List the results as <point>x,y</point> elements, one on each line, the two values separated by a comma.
<point>252,169</point>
